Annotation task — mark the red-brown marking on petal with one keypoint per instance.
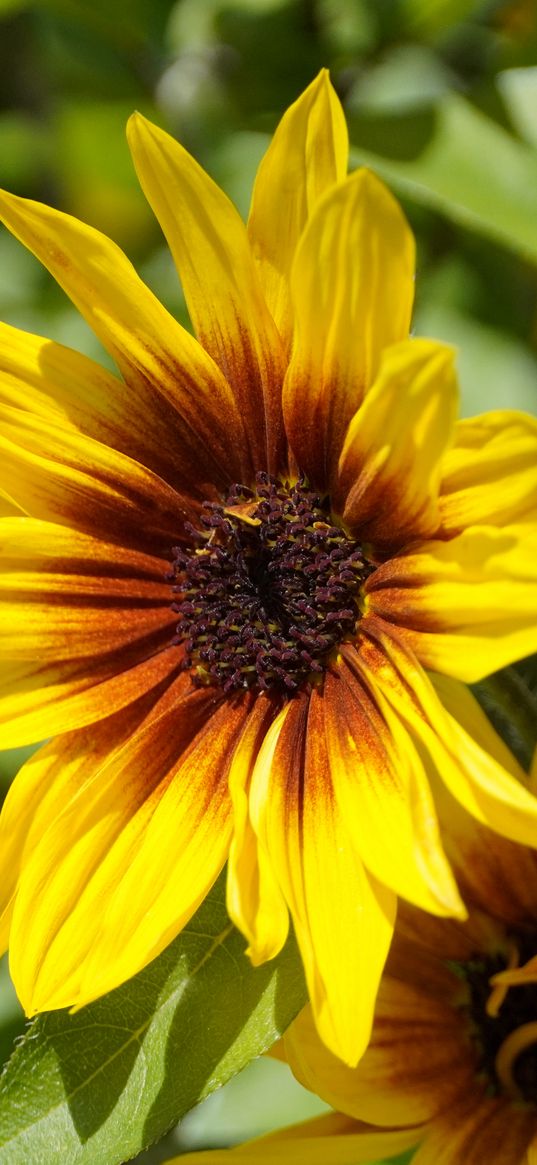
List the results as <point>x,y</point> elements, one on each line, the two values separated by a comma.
<point>478,1129</point>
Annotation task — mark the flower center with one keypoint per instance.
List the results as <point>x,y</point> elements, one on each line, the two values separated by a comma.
<point>502,1021</point>
<point>269,587</point>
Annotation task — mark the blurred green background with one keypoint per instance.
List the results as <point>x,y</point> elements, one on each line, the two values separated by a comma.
<point>441,99</point>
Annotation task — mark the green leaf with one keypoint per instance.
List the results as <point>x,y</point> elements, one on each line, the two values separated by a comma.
<point>471,170</point>
<point>518,88</point>
<point>97,1087</point>
<point>511,706</point>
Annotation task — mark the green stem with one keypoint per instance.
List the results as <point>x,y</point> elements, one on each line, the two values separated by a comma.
<point>512,708</point>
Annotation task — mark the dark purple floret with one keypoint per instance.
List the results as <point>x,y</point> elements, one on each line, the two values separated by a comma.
<point>269,587</point>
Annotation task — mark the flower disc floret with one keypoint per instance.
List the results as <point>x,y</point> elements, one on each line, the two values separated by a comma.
<point>269,587</point>
<point>501,1022</point>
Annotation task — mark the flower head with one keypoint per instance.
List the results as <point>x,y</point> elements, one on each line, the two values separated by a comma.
<point>453,1054</point>
<point>226,573</point>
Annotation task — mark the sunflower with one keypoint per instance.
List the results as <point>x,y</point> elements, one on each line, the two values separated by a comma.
<point>454,1043</point>
<point>226,573</point>
<point>452,1063</point>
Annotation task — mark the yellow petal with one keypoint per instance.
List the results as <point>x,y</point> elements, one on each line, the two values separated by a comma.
<point>495,875</point>
<point>307,155</point>
<point>472,775</point>
<point>352,291</point>
<point>254,899</point>
<point>466,607</point>
<point>326,1140</point>
<point>384,796</point>
<point>389,470</point>
<point>151,349</point>
<point>64,595</point>
<point>479,1129</point>
<point>209,243</point>
<point>40,698</point>
<point>489,477</point>
<point>343,917</point>
<point>65,388</point>
<point>122,869</point>
<point>48,781</point>
<point>409,1071</point>
<point>58,475</point>
<point>8,508</point>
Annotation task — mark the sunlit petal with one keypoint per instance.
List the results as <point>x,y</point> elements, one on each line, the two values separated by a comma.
<point>352,292</point>
<point>63,476</point>
<point>149,346</point>
<point>254,899</point>
<point>125,865</point>
<point>209,243</point>
<point>336,905</point>
<point>389,470</point>
<point>307,155</point>
<point>468,606</point>
<point>489,477</point>
<point>383,794</point>
<point>472,775</point>
<point>65,388</point>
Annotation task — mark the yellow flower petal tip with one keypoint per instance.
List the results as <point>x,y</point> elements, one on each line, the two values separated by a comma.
<point>226,573</point>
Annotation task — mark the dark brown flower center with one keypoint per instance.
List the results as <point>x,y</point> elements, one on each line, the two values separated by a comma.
<point>269,587</point>
<point>502,1021</point>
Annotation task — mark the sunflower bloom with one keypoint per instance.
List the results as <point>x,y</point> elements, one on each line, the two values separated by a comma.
<point>452,1063</point>
<point>226,573</point>
<point>454,1043</point>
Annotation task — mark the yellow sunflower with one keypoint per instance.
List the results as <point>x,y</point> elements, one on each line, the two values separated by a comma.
<point>225,573</point>
<point>454,1044</point>
<point>452,1063</point>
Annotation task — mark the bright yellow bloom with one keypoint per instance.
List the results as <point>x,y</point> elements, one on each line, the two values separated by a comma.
<point>235,565</point>
<point>453,1054</point>
<point>454,1043</point>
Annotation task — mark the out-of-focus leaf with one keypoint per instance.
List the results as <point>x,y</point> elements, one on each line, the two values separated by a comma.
<point>435,17</point>
<point>407,77</point>
<point>11,1016</point>
<point>263,1097</point>
<point>99,184</point>
<point>9,7</point>
<point>496,369</point>
<point>518,88</point>
<point>96,1087</point>
<point>511,706</point>
<point>471,170</point>
<point>24,149</point>
<point>347,26</point>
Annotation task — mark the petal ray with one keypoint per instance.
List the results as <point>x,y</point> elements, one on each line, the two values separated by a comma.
<point>352,291</point>
<point>125,865</point>
<point>151,349</point>
<point>489,477</point>
<point>384,796</point>
<point>409,1070</point>
<point>466,607</point>
<point>68,596</point>
<point>52,776</point>
<point>210,247</point>
<point>307,155</point>
<point>473,776</point>
<point>58,475</point>
<point>254,899</point>
<point>39,699</point>
<point>390,465</point>
<point>343,917</point>
<point>63,387</point>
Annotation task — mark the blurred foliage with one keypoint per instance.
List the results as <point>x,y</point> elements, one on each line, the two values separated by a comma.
<point>441,98</point>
